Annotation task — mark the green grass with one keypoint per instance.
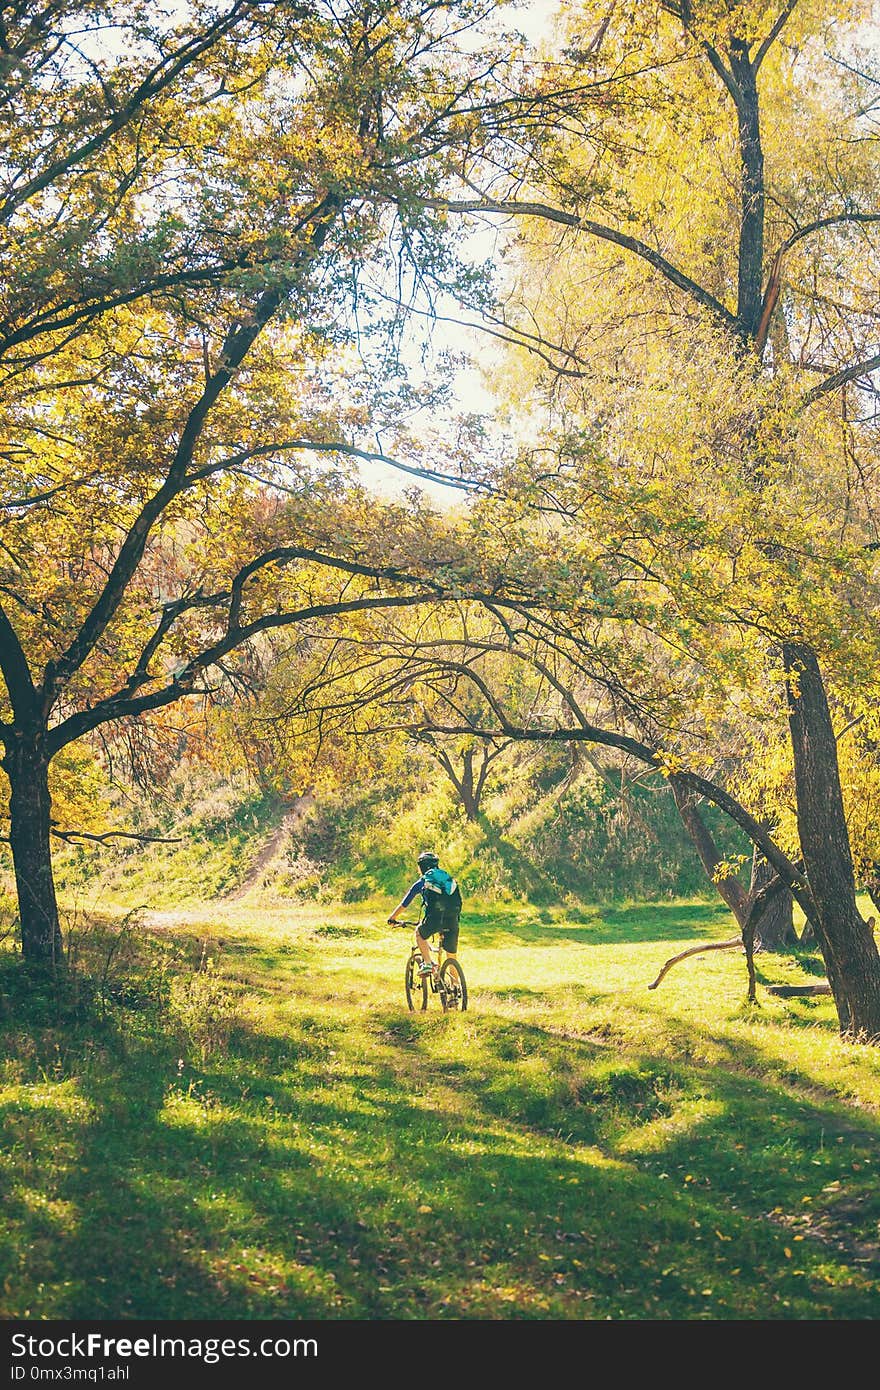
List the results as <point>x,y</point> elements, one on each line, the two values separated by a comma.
<point>259,1129</point>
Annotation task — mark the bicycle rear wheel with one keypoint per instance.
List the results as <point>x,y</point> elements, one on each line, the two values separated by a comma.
<point>453,989</point>
<point>416,985</point>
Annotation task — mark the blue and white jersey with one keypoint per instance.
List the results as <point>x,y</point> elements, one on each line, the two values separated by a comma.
<point>426,887</point>
<point>418,887</point>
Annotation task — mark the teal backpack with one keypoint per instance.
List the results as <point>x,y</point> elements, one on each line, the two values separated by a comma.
<point>440,894</point>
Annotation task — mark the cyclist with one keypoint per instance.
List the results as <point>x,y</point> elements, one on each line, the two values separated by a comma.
<point>441,908</point>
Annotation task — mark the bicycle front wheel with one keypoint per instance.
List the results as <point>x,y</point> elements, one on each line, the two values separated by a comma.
<point>416,985</point>
<point>453,990</point>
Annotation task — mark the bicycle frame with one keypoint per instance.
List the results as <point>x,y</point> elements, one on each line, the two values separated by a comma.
<point>452,994</point>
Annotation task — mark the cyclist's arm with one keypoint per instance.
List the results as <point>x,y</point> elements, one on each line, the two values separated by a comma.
<point>401,906</point>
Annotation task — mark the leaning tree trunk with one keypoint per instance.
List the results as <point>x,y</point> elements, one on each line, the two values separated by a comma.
<point>775,930</point>
<point>847,942</point>
<point>27,768</point>
<point>727,886</point>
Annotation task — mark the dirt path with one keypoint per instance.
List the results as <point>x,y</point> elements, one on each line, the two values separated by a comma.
<point>273,848</point>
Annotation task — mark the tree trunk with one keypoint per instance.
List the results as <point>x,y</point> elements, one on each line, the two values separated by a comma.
<point>847,943</point>
<point>873,887</point>
<point>29,817</point>
<point>727,886</point>
<point>775,931</point>
<point>466,787</point>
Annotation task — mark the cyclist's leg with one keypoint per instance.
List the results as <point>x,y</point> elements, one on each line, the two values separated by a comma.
<point>424,947</point>
<point>449,937</point>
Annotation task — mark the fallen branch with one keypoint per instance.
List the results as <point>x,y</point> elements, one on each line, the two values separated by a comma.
<point>695,951</point>
<point>756,909</point>
<point>797,991</point>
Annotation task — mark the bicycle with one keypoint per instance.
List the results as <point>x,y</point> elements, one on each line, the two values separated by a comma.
<point>446,981</point>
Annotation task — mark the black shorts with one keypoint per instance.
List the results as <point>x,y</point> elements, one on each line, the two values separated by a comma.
<point>448,934</point>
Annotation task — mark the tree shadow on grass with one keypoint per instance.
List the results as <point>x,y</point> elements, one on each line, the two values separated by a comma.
<point>289,1179</point>
<point>764,1143</point>
<point>609,925</point>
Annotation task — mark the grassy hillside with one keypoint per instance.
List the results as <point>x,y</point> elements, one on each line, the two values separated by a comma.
<point>540,838</point>
<point>231,1114</point>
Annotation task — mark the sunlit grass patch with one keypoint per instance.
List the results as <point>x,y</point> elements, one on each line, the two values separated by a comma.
<point>573,1146</point>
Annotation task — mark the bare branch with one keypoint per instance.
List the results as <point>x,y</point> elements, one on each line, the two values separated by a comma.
<point>330,446</point>
<point>696,951</point>
<point>119,706</point>
<point>515,208</point>
<point>836,220</point>
<point>833,383</point>
<point>72,836</point>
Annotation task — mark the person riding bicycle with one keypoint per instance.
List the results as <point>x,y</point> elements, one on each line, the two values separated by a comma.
<point>441,908</point>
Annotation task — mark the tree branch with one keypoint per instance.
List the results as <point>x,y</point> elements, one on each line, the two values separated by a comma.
<point>158,80</point>
<point>50,322</point>
<point>781,21</point>
<point>756,832</point>
<point>118,706</point>
<point>729,888</point>
<point>429,475</point>
<point>238,342</point>
<point>72,836</point>
<point>16,672</point>
<point>696,951</point>
<point>544,211</point>
<point>836,220</point>
<point>832,383</point>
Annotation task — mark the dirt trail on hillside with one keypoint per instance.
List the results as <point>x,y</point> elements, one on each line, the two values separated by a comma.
<point>273,848</point>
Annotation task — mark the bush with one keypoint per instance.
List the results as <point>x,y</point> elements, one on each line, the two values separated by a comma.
<point>203,1009</point>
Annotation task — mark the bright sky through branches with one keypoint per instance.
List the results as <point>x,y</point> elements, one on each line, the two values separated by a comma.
<point>451,330</point>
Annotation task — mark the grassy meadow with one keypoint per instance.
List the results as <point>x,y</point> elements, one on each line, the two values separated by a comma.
<point>230,1113</point>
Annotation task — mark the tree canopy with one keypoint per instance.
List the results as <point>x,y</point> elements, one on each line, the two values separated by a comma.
<point>220,230</point>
